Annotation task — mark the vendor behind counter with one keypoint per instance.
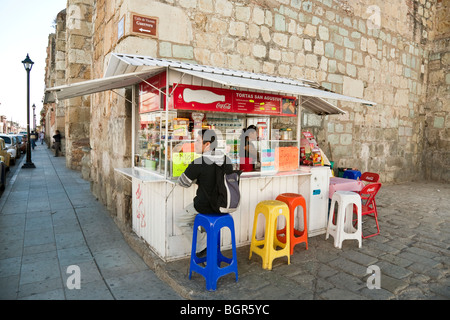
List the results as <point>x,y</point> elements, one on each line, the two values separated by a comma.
<point>248,152</point>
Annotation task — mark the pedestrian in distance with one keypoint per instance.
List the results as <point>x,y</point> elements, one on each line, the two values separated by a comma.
<point>33,139</point>
<point>57,143</point>
<point>41,137</point>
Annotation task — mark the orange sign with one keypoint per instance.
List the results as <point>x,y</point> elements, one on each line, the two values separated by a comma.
<point>286,158</point>
<point>145,25</point>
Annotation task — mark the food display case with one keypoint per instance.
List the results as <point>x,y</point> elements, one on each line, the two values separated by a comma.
<point>280,153</point>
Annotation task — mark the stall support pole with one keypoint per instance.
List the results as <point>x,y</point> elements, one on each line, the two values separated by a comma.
<point>133,127</point>
<point>299,126</point>
<point>166,140</point>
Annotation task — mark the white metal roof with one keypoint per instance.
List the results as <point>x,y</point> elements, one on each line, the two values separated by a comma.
<point>98,85</point>
<point>124,70</point>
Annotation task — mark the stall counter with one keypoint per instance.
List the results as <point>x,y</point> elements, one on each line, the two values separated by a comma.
<point>156,201</point>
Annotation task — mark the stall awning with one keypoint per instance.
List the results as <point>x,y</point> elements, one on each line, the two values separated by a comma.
<point>98,85</point>
<point>123,69</point>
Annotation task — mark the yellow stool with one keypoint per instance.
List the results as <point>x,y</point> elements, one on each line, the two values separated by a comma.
<point>271,209</point>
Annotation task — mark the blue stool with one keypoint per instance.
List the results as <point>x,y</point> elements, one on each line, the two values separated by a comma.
<point>352,174</point>
<point>213,223</point>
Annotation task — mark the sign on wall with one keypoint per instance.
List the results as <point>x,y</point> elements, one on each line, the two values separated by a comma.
<point>121,28</point>
<point>144,25</point>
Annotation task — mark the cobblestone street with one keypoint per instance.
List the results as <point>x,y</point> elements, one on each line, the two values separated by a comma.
<point>412,253</point>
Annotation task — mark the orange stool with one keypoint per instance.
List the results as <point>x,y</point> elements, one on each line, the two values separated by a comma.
<point>293,200</point>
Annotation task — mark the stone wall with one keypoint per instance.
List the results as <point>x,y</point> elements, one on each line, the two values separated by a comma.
<point>436,109</point>
<point>378,50</point>
<point>78,68</point>
<point>55,75</point>
<point>436,155</point>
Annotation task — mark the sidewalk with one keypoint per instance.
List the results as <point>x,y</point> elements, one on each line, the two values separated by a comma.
<point>49,220</point>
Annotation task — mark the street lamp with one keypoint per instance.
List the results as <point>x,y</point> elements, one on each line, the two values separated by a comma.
<point>28,64</point>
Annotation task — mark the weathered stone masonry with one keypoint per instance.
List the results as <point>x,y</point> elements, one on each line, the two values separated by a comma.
<point>391,52</point>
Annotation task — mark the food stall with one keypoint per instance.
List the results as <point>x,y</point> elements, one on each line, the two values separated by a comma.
<point>172,100</point>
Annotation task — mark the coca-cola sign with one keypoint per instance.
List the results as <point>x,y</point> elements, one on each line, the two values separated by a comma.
<point>202,98</point>
<point>223,106</point>
<point>190,97</point>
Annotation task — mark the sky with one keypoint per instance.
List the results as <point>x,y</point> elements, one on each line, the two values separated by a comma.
<point>24,29</point>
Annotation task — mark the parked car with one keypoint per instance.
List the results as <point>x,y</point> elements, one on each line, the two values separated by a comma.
<point>10,147</point>
<point>4,155</point>
<point>3,166</point>
<point>17,144</point>
<point>22,143</point>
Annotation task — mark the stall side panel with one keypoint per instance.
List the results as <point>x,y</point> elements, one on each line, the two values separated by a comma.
<point>177,244</point>
<point>135,221</point>
<point>151,215</point>
<point>319,190</point>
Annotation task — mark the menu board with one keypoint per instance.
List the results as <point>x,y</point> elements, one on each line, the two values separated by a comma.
<point>287,158</point>
<point>256,103</point>
<point>188,97</point>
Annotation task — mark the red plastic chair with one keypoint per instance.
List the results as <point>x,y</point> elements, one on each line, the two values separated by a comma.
<point>370,177</point>
<point>369,206</point>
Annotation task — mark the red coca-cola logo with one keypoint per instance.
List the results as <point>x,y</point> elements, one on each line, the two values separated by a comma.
<point>223,106</point>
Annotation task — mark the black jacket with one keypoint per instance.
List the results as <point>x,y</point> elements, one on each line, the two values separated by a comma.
<point>202,171</point>
<point>57,137</point>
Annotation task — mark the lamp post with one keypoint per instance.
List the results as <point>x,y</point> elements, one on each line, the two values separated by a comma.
<point>28,64</point>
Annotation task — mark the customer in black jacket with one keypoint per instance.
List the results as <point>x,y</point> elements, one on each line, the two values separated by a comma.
<point>202,171</point>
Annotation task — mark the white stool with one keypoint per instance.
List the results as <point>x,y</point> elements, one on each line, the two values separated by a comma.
<point>343,229</point>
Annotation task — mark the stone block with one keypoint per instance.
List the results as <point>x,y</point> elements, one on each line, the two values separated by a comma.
<point>372,47</point>
<point>253,31</point>
<point>401,97</point>
<point>319,47</point>
<point>310,30</point>
<point>259,51</point>
<point>353,87</point>
<point>258,16</point>
<point>312,61</point>
<point>280,39</point>
<point>275,54</point>
<point>346,139</point>
<point>224,7</point>
<point>329,50</point>
<point>243,14</point>
<point>324,33</point>
<point>165,49</point>
<point>280,23</point>
<point>217,26</point>
<point>335,78</point>
<point>348,43</point>
<point>206,6</point>
<point>237,29</point>
<point>295,43</point>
